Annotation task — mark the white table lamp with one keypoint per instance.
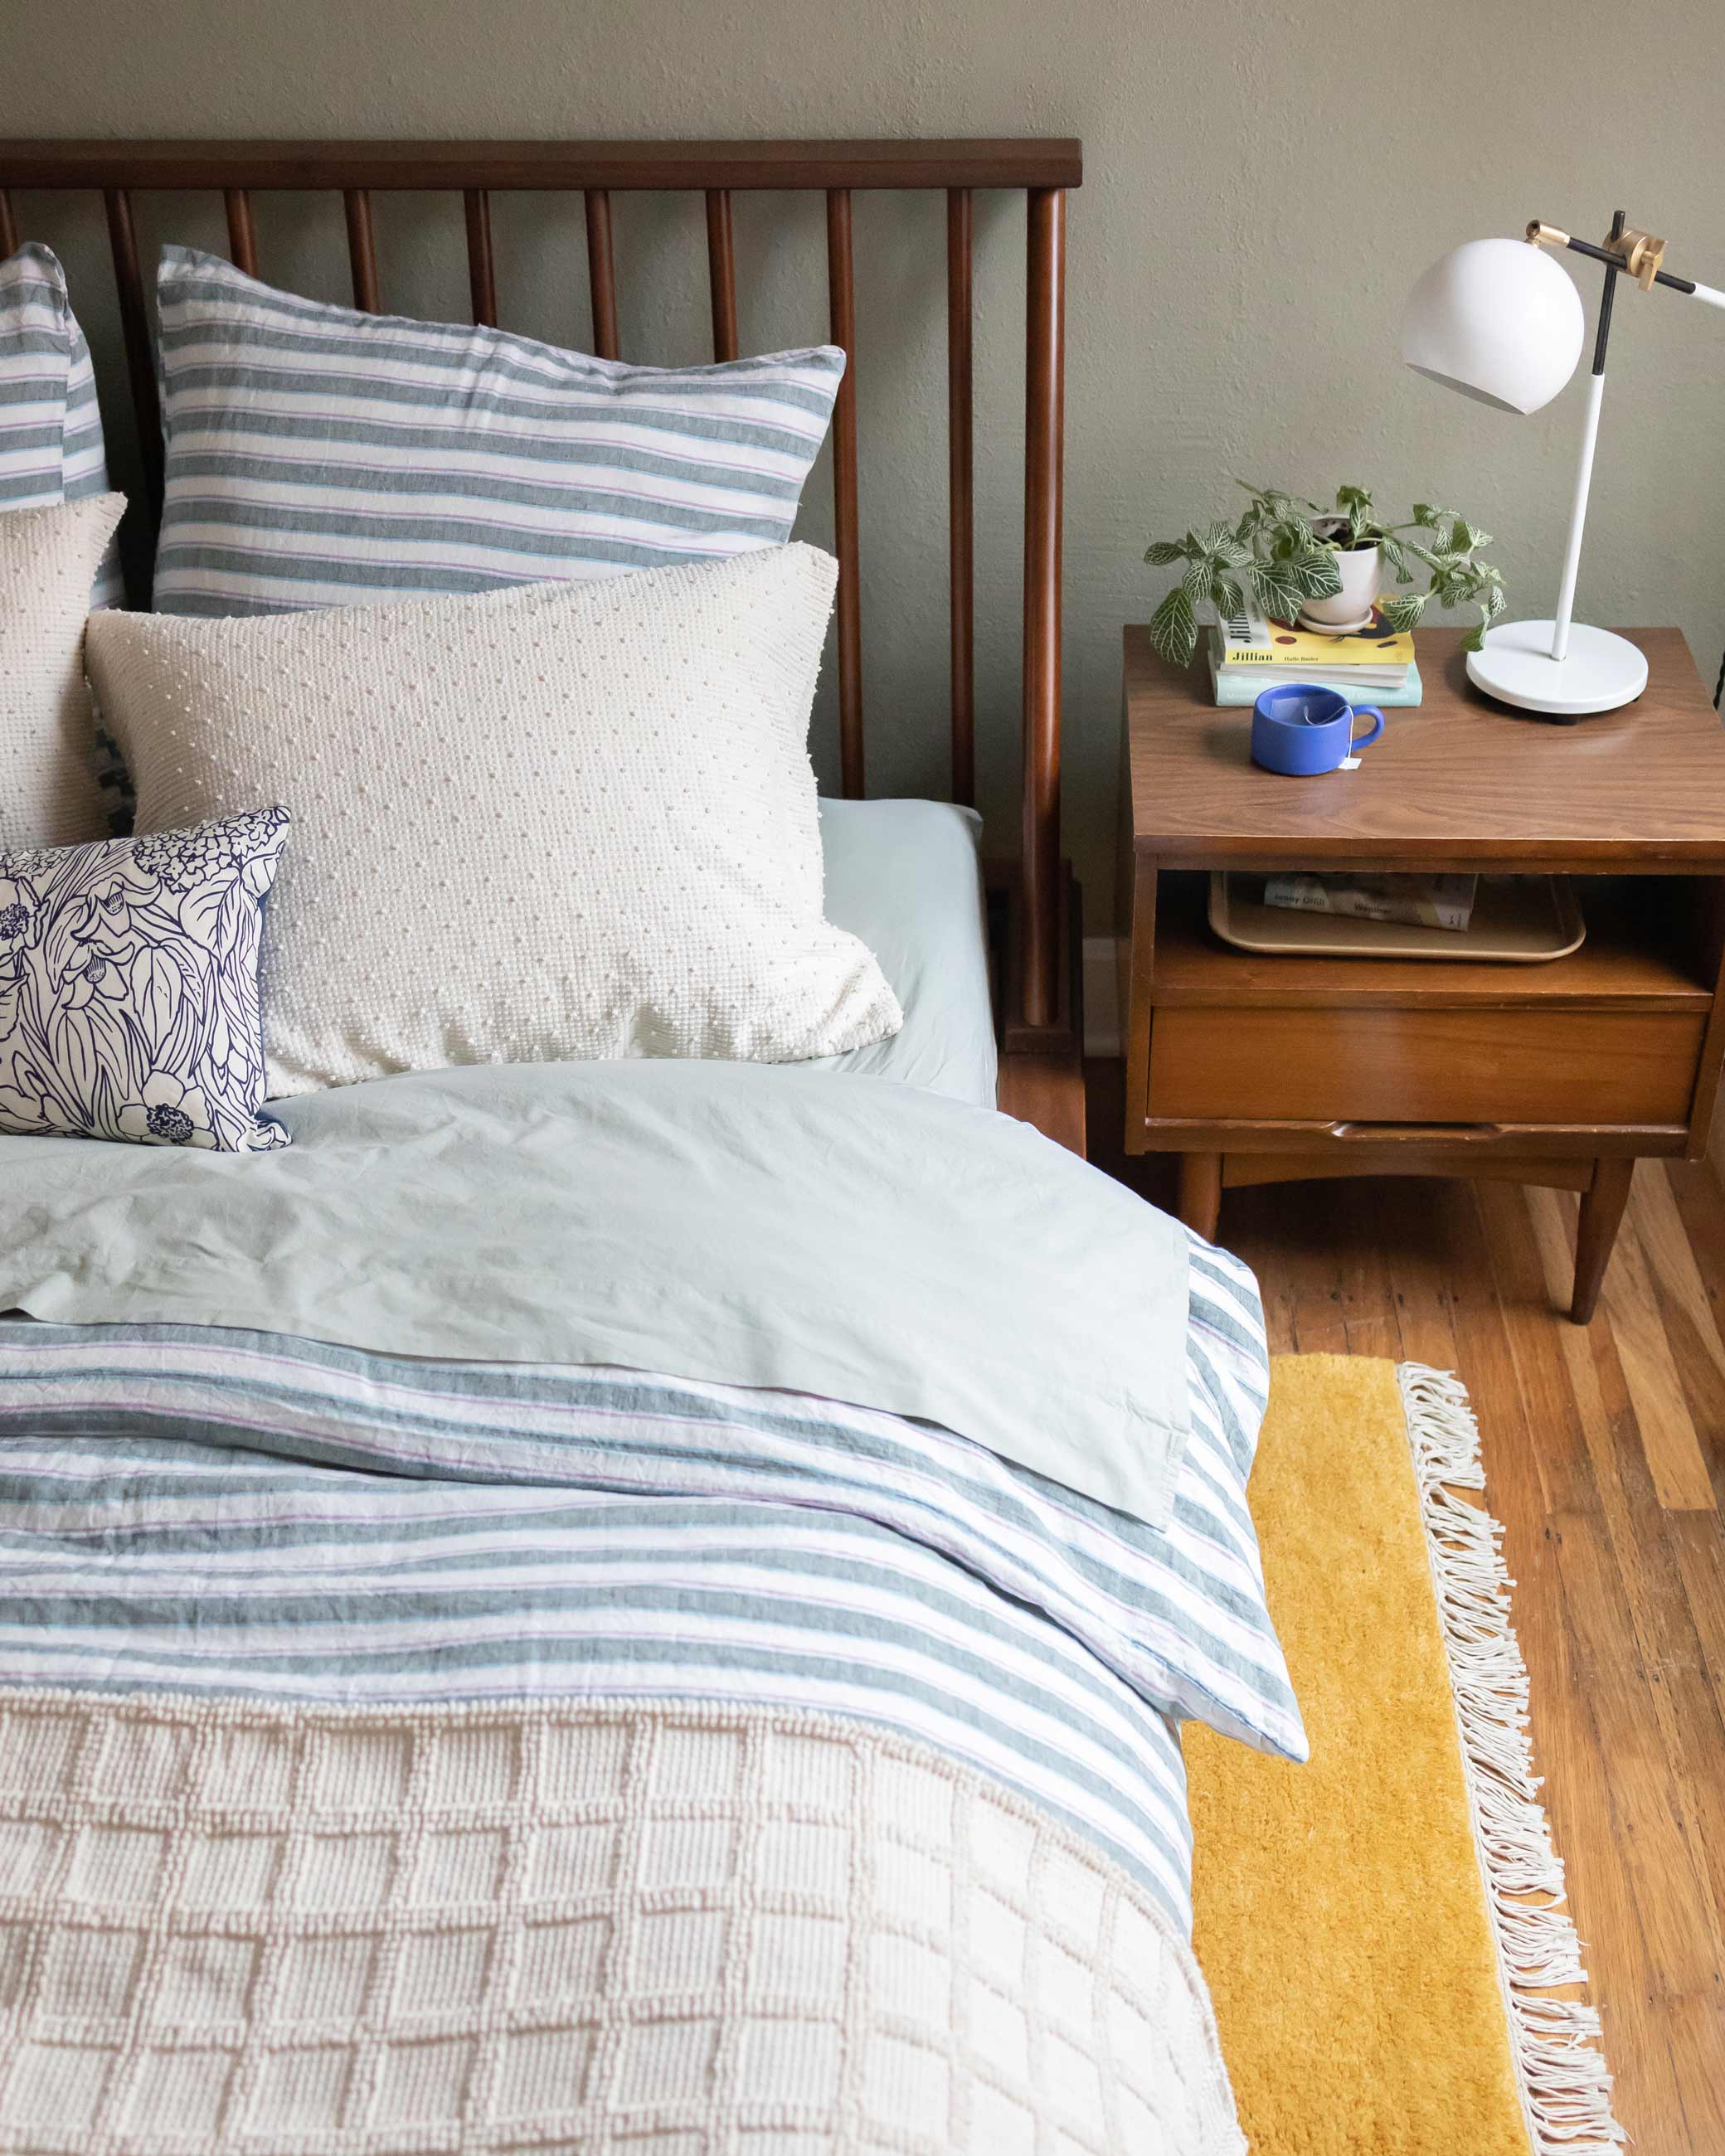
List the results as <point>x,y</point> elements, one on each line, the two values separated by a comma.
<point>1499,320</point>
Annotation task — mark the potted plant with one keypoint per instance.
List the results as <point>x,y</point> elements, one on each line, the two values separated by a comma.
<point>1289,557</point>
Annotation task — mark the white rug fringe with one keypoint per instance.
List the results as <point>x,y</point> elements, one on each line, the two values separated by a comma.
<point>1565,2083</point>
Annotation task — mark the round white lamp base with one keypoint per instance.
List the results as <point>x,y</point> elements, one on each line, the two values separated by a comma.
<point>1598,672</point>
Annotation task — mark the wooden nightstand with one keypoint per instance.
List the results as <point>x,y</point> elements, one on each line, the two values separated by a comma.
<point>1260,1069</point>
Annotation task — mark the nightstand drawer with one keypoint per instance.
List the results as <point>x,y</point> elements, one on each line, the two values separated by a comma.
<point>1424,1065</point>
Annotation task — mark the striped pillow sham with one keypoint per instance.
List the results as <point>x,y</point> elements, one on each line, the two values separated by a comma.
<point>317,456</point>
<point>51,446</point>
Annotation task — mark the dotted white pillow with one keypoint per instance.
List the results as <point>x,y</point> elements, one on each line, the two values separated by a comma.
<point>49,795</point>
<point>555,822</point>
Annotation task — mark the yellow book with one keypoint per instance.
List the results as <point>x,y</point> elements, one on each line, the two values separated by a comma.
<point>1248,638</point>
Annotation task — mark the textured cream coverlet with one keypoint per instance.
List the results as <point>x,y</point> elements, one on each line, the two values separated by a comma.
<point>546,823</point>
<point>48,791</point>
<point>671,1930</point>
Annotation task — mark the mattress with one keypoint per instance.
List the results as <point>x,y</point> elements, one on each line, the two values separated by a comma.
<point>905,877</point>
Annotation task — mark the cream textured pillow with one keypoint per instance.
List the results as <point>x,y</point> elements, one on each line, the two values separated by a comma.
<point>551,823</point>
<point>49,793</point>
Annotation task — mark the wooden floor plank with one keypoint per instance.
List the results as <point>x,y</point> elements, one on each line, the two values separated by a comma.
<point>1415,1235</point>
<point>1315,1273</point>
<point>1691,1316</point>
<point>1697,2031</point>
<point>1662,1417</point>
<point>1697,1544</point>
<point>1673,1662</point>
<point>1658,1222</point>
<point>1660,1642</point>
<point>1368,1295</point>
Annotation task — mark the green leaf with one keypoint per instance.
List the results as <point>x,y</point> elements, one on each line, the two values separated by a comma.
<point>1315,574</point>
<point>1173,628</point>
<point>1402,612</point>
<point>1229,598</point>
<point>1277,594</point>
<point>1396,555</point>
<point>1219,540</point>
<point>1161,552</point>
<point>1290,540</point>
<point>1198,580</point>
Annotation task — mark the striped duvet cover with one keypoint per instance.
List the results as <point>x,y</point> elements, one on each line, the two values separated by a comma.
<point>221,1513</point>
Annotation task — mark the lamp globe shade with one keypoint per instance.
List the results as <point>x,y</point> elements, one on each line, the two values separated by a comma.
<point>1497,320</point>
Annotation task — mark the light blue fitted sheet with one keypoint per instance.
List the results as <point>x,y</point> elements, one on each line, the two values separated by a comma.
<point>905,877</point>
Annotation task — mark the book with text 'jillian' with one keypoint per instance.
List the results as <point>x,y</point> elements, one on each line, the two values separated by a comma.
<point>1233,685</point>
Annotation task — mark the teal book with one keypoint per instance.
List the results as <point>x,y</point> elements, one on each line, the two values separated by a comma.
<point>1235,685</point>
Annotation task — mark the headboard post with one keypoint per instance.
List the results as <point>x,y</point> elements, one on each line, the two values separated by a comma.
<point>135,329</point>
<point>601,273</point>
<point>362,249</point>
<point>722,273</point>
<point>961,445</point>
<point>241,234</point>
<point>1045,396</point>
<point>481,275</point>
<point>841,280</point>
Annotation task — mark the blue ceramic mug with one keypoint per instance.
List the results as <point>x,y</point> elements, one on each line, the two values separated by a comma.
<point>1301,730</point>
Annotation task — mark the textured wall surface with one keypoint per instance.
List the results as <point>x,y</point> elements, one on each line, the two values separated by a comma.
<point>1263,184</point>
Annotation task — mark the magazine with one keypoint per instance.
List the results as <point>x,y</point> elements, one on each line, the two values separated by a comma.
<point>1426,901</point>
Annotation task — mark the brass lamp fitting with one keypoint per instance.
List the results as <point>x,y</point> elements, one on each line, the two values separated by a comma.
<point>1642,254</point>
<point>1639,254</point>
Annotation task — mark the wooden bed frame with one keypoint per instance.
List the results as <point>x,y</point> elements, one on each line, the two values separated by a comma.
<point>1041,1079</point>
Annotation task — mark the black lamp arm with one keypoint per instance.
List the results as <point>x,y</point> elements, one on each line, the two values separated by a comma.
<point>1637,253</point>
<point>1616,261</point>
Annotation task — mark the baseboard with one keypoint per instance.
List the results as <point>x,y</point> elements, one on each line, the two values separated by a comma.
<point>1103,1034</point>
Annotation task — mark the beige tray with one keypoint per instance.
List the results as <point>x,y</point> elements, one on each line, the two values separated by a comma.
<point>1517,921</point>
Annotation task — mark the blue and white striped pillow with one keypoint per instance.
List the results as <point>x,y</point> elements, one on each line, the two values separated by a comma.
<point>321,457</point>
<point>51,447</point>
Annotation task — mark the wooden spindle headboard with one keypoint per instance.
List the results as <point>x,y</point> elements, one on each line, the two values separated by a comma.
<point>1039,991</point>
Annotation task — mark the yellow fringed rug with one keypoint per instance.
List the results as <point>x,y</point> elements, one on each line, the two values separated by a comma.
<point>1381,1928</point>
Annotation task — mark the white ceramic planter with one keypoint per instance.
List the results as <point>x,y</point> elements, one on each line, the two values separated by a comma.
<point>1359,568</point>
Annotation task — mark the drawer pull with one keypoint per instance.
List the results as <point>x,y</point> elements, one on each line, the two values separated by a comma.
<point>1424,1134</point>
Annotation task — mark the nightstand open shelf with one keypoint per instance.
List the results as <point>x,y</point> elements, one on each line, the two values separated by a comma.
<point>1257,1068</point>
<point>1641,953</point>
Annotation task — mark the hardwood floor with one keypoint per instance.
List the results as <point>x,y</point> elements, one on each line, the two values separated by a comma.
<point>1606,1461</point>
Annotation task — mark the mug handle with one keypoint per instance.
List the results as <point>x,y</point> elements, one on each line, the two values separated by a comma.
<point>1364,740</point>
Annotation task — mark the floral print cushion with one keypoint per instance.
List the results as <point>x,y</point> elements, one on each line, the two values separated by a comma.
<point>129,1004</point>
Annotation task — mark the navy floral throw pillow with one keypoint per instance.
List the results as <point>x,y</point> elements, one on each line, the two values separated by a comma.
<point>129,1003</point>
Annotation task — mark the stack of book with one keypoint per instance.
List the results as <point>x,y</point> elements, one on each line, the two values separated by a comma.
<point>1249,653</point>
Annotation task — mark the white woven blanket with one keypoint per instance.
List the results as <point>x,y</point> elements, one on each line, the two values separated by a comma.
<point>660,1931</point>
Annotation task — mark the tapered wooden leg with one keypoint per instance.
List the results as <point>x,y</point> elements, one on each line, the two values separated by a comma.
<point>1601,1210</point>
<point>1200,1196</point>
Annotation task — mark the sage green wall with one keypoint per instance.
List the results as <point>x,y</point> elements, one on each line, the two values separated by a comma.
<point>1263,182</point>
